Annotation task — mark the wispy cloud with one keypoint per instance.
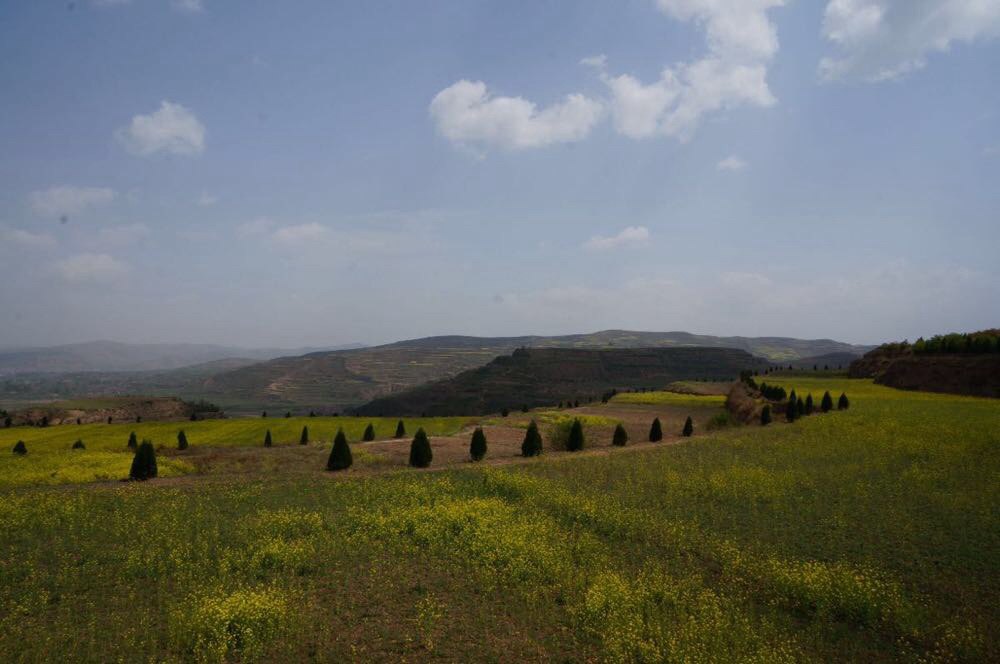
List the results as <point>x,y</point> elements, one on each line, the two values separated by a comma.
<point>68,200</point>
<point>731,163</point>
<point>90,268</point>
<point>629,236</point>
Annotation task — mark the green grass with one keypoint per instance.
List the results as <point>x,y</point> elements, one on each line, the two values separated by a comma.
<point>870,534</point>
<point>670,398</point>
<point>51,460</point>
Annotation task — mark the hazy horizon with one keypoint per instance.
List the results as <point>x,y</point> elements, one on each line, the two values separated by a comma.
<point>263,175</point>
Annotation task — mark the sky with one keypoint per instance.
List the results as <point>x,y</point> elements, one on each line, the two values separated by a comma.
<point>258,173</point>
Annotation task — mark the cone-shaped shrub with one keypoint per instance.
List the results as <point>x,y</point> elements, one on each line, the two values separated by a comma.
<point>809,404</point>
<point>505,412</point>
<point>620,436</point>
<point>400,430</point>
<point>78,445</point>
<point>420,450</point>
<point>477,447</point>
<point>800,407</point>
<point>340,455</point>
<point>532,445</point>
<point>792,409</point>
<point>688,427</point>
<point>182,440</point>
<point>133,442</point>
<point>144,462</point>
<point>267,438</point>
<point>826,405</point>
<point>304,438</point>
<point>656,431</point>
<point>369,435</point>
<point>575,442</point>
<point>765,416</point>
<point>842,402</point>
<point>19,448</point>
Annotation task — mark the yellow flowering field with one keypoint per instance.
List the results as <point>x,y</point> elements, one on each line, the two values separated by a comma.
<point>870,534</point>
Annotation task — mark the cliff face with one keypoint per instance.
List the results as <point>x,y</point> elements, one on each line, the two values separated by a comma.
<point>543,377</point>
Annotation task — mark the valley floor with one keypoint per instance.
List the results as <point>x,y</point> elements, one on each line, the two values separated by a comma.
<point>861,535</point>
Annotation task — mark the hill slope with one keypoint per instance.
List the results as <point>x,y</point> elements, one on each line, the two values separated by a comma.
<point>339,379</point>
<point>546,376</point>
<point>116,356</point>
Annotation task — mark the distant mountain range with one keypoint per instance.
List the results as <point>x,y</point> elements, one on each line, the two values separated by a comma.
<point>326,380</point>
<point>118,356</point>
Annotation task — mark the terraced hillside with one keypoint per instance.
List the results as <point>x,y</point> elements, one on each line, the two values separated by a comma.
<point>337,380</point>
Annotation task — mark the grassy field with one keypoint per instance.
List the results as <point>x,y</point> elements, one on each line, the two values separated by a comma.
<point>865,535</point>
<point>52,460</point>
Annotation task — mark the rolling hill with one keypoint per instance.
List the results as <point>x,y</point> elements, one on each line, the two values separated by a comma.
<point>336,380</point>
<point>545,376</point>
<point>113,356</point>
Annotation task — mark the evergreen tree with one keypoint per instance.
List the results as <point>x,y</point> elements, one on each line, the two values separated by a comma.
<point>20,448</point>
<point>133,442</point>
<point>78,445</point>
<point>109,419</point>
<point>304,438</point>
<point>532,445</point>
<point>144,462</point>
<point>826,404</point>
<point>264,415</point>
<point>340,455</point>
<point>765,415</point>
<point>842,402</point>
<point>182,440</point>
<point>575,442</point>
<point>620,437</point>
<point>312,413</point>
<point>420,450</point>
<point>267,438</point>
<point>400,430</point>
<point>138,419</point>
<point>288,414</point>
<point>688,427</point>
<point>477,447</point>
<point>656,431</point>
<point>369,434</point>
<point>524,408</point>
<point>800,407</point>
<point>8,422</point>
<point>505,412</point>
<point>809,404</point>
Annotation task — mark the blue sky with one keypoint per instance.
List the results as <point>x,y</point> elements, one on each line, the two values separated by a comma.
<point>309,173</point>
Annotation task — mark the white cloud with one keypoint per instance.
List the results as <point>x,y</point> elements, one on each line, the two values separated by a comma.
<point>731,163</point>
<point>630,236</point>
<point>467,114</point>
<point>206,199</point>
<point>124,235</point>
<point>91,268</point>
<point>597,61</point>
<point>300,233</point>
<point>172,128</point>
<point>188,6</point>
<point>878,40</point>
<point>741,42</point>
<point>26,239</point>
<point>68,200</point>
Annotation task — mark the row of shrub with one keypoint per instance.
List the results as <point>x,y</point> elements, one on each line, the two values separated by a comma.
<point>797,407</point>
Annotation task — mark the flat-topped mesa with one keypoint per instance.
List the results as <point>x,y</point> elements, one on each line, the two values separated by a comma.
<point>545,376</point>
